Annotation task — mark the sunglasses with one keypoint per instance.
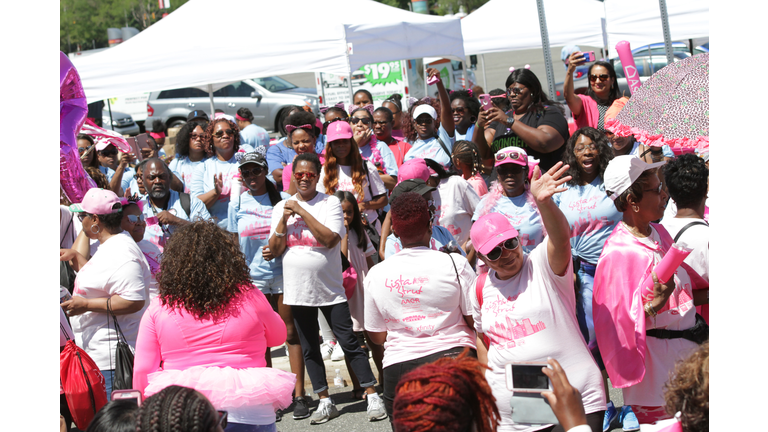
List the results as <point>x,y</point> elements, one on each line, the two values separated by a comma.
<point>500,156</point>
<point>109,152</point>
<point>424,120</point>
<point>655,190</point>
<point>135,219</point>
<point>355,120</point>
<point>459,110</point>
<point>223,416</point>
<point>221,133</point>
<point>515,90</point>
<point>305,175</point>
<point>582,148</point>
<point>603,77</point>
<point>82,150</point>
<point>325,125</point>
<point>496,252</point>
<point>252,172</point>
<point>194,136</point>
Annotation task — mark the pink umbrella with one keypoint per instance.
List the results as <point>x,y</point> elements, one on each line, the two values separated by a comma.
<point>671,107</point>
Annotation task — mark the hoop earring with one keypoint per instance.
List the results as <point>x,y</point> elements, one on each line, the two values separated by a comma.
<point>98,229</point>
<point>473,119</point>
<point>634,207</point>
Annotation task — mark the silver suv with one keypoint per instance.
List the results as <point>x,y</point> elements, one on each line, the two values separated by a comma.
<point>265,97</point>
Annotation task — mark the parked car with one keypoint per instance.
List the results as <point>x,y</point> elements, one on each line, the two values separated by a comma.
<point>121,123</point>
<point>648,60</point>
<point>265,97</point>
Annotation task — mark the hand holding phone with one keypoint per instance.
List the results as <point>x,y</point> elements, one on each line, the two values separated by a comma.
<point>485,101</point>
<point>527,377</point>
<point>589,56</point>
<point>564,399</point>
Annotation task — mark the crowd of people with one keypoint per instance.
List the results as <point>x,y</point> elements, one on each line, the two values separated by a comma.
<point>441,239</point>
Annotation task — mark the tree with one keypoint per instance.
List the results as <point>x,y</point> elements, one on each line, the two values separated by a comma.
<point>439,7</point>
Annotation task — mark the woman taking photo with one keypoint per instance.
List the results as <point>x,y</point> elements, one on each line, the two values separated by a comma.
<point>212,179</point>
<point>417,283</point>
<point>641,331</point>
<point>209,329</point>
<point>344,170</point>
<point>535,123</point>
<point>190,152</point>
<point>525,305</point>
<point>420,127</point>
<point>510,196</point>
<point>115,279</point>
<point>589,110</point>
<point>306,231</point>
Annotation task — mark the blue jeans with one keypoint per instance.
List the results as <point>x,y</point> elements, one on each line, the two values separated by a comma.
<point>240,427</point>
<point>108,382</point>
<point>586,280</point>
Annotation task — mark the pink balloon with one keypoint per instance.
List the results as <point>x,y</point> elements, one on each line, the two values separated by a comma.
<point>73,108</point>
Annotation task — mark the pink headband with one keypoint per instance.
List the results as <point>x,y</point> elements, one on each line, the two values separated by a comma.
<point>307,127</point>
<point>157,135</point>
<point>353,108</point>
<point>324,108</point>
<point>237,116</point>
<point>413,100</point>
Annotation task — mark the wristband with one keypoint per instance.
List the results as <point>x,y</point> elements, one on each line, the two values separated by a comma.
<point>279,234</point>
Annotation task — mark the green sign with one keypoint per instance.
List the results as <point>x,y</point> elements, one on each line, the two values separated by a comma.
<point>383,73</point>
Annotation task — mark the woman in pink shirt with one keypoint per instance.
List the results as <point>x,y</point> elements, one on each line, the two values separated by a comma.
<point>209,328</point>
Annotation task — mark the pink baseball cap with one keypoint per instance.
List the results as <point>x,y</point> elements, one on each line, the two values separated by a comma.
<point>490,231</point>
<point>99,202</point>
<point>413,169</point>
<point>338,130</point>
<point>515,155</point>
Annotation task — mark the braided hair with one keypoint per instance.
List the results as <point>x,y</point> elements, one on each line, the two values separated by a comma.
<point>436,396</point>
<point>176,409</point>
<point>468,153</point>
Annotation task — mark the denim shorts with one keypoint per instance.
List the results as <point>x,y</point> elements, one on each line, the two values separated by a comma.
<point>270,286</point>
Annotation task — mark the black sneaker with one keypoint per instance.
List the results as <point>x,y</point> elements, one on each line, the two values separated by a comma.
<point>278,415</point>
<point>301,408</point>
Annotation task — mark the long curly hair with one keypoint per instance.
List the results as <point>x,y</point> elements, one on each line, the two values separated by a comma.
<point>176,409</point>
<point>406,122</point>
<point>688,391</point>
<point>604,153</point>
<point>209,135</point>
<point>437,396</point>
<point>98,177</point>
<point>203,270</point>
<point>331,173</point>
<point>182,139</point>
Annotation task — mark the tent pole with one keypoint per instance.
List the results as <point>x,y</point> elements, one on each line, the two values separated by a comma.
<point>349,67</point>
<point>485,81</point>
<point>545,47</point>
<point>210,97</point>
<point>109,107</point>
<point>665,27</point>
<point>464,75</point>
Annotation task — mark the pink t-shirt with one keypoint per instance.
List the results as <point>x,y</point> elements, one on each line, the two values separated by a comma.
<point>530,317</point>
<point>478,184</point>
<point>238,338</point>
<point>415,297</point>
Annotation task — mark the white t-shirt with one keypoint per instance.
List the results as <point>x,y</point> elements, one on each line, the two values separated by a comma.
<point>455,202</point>
<point>312,275</point>
<point>357,258</point>
<point>119,268</point>
<point>152,254</point>
<point>345,184</point>
<point>415,297</point>
<point>697,237</point>
<point>529,317</point>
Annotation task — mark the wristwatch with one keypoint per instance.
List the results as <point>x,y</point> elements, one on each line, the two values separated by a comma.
<point>510,121</point>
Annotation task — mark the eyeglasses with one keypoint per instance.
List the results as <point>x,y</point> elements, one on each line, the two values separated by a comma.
<point>582,148</point>
<point>82,150</point>
<point>603,77</point>
<point>355,120</point>
<point>459,110</point>
<point>223,416</point>
<point>82,216</point>
<point>325,125</point>
<point>108,152</point>
<point>655,190</point>
<point>500,156</point>
<point>221,133</point>
<point>252,172</point>
<point>515,90</point>
<point>138,177</point>
<point>380,123</point>
<point>305,175</point>
<point>135,219</point>
<point>194,136</point>
<point>510,244</point>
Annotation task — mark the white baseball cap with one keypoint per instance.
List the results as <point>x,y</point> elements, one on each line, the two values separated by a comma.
<point>425,109</point>
<point>622,171</point>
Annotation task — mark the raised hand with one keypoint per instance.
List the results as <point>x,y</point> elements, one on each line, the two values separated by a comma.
<point>543,187</point>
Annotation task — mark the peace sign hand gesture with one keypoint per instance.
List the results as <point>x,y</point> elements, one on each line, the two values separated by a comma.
<point>543,187</point>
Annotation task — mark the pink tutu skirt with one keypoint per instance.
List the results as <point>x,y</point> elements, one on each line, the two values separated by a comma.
<point>227,387</point>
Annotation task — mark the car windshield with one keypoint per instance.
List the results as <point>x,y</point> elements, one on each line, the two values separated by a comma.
<point>274,84</point>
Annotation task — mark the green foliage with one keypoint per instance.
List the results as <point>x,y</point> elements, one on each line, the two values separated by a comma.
<point>85,22</point>
<point>439,7</point>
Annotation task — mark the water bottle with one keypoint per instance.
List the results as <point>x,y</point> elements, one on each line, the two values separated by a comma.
<point>338,381</point>
<point>235,188</point>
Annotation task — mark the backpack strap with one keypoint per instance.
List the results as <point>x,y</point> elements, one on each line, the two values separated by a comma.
<point>185,202</point>
<point>445,148</point>
<point>682,230</point>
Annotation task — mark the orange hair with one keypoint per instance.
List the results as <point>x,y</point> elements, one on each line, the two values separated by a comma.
<point>331,171</point>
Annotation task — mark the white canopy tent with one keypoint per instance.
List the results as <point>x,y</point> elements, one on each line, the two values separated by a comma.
<point>219,41</point>
<point>639,21</point>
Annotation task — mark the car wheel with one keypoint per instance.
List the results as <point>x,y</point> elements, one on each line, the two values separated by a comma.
<point>176,123</point>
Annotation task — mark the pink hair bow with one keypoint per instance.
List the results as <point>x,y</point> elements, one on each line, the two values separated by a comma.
<point>413,100</point>
<point>353,108</point>
<point>324,108</point>
<point>291,128</point>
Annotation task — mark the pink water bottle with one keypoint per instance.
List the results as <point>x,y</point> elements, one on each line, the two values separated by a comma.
<point>668,265</point>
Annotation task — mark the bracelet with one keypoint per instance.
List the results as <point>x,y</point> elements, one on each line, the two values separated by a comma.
<point>279,234</point>
<point>649,310</point>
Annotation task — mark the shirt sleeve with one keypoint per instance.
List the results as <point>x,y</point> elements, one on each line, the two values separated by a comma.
<point>476,312</point>
<point>198,209</point>
<point>277,214</point>
<point>274,157</point>
<point>147,358</point>
<point>274,327</point>
<point>197,186</point>
<point>128,281</point>
<point>467,276</point>
<point>373,320</point>
<point>471,198</point>
<point>554,118</point>
<point>232,209</point>
<point>334,219</point>
<point>390,164</point>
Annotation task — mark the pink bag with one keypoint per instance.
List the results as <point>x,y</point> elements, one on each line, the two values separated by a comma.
<point>349,276</point>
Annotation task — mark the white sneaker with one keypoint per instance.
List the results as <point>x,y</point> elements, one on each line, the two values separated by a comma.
<point>327,348</point>
<point>324,412</point>
<point>376,409</point>
<point>338,353</point>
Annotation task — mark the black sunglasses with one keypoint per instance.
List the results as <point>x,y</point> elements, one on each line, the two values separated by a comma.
<point>108,152</point>
<point>325,125</point>
<point>221,133</point>
<point>355,120</point>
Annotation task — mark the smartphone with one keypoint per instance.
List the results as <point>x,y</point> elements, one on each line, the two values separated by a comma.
<point>527,377</point>
<point>143,142</point>
<point>134,146</point>
<point>485,100</point>
<point>131,394</point>
<point>589,56</point>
